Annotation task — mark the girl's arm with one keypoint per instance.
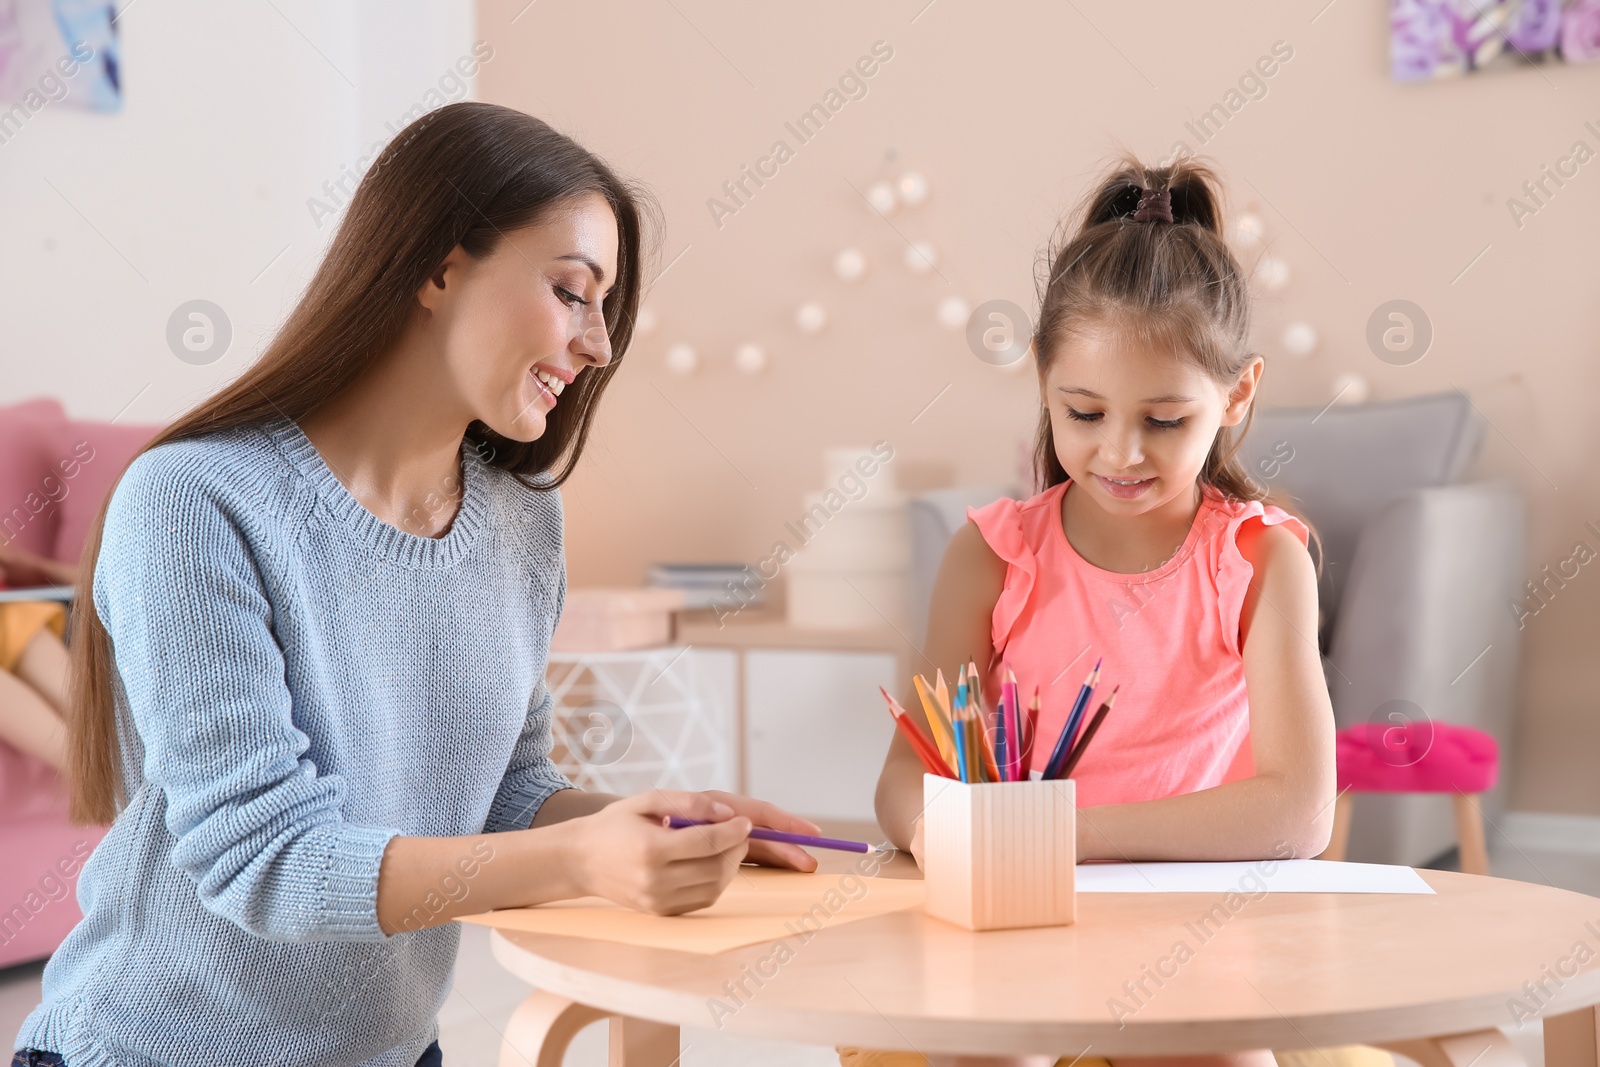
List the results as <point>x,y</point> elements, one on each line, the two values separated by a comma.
<point>1286,809</point>
<point>970,580</point>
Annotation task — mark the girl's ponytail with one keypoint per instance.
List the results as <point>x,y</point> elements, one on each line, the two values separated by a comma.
<point>1148,256</point>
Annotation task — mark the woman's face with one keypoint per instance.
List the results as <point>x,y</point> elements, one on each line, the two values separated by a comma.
<point>516,327</point>
<point>1133,428</point>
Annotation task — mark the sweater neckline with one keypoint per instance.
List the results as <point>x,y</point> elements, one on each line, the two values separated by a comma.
<point>379,536</point>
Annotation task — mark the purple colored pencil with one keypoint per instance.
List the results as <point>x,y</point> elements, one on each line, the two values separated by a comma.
<point>762,833</point>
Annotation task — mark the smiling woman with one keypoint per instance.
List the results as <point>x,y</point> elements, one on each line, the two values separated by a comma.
<point>308,684</point>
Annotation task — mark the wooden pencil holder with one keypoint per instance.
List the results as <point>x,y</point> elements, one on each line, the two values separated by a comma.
<point>999,855</point>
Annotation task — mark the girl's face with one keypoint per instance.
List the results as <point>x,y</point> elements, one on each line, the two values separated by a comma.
<point>516,327</point>
<point>1133,428</point>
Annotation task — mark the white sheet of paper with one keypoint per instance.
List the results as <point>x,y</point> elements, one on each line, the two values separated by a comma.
<point>1249,877</point>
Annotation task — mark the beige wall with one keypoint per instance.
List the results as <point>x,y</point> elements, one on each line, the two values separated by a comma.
<point>1370,191</point>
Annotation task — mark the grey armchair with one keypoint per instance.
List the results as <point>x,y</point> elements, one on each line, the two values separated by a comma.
<point>1417,571</point>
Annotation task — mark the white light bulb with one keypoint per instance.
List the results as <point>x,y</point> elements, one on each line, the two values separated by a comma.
<point>920,257</point>
<point>1248,228</point>
<point>1272,273</point>
<point>913,188</point>
<point>881,196</point>
<point>1299,339</point>
<point>682,359</point>
<point>646,321</point>
<point>750,358</point>
<point>850,264</point>
<point>953,312</point>
<point>810,317</point>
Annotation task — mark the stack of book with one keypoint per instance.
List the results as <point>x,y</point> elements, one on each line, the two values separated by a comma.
<point>707,584</point>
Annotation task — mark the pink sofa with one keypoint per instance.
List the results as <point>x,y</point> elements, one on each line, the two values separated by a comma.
<point>55,472</point>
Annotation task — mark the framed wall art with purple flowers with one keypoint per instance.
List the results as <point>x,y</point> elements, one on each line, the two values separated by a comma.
<point>1442,38</point>
<point>57,52</point>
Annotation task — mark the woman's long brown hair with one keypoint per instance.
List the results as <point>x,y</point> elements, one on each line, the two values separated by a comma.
<point>1163,286</point>
<point>466,174</point>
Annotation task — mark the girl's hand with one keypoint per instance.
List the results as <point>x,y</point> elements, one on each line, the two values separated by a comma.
<point>625,853</point>
<point>772,853</point>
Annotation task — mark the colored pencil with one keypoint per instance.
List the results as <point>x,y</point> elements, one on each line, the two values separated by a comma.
<point>941,698</point>
<point>958,716</point>
<point>920,743</point>
<point>1069,729</point>
<point>1089,732</point>
<point>1004,746</point>
<point>939,726</point>
<point>1013,700</point>
<point>983,765</point>
<point>988,766</point>
<point>963,765</point>
<point>1032,731</point>
<point>973,738</point>
<point>763,833</point>
<point>1002,721</point>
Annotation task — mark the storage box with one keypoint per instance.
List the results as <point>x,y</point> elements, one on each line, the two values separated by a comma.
<point>999,855</point>
<point>826,599</point>
<point>873,533</point>
<point>609,620</point>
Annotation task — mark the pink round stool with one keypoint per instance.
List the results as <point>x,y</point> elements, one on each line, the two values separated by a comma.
<point>1418,757</point>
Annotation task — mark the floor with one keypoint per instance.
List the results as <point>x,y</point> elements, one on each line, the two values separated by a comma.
<point>484,994</point>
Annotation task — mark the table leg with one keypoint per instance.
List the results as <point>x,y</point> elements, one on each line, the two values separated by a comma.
<point>1481,1048</point>
<point>541,1029</point>
<point>1469,834</point>
<point>641,1043</point>
<point>1573,1039</point>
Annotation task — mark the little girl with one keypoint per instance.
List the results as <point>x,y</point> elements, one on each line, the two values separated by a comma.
<point>1149,546</point>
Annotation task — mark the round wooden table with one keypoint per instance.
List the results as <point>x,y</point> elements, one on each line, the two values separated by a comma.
<point>1138,974</point>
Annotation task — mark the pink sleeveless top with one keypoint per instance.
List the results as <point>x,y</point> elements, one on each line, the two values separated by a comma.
<point>1170,638</point>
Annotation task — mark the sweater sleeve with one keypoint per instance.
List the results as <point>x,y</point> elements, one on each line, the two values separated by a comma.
<point>531,775</point>
<point>255,826</point>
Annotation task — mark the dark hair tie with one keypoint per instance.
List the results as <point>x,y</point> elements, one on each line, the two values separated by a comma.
<point>1155,205</point>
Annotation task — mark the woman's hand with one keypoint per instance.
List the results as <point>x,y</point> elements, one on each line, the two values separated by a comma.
<point>625,853</point>
<point>760,813</point>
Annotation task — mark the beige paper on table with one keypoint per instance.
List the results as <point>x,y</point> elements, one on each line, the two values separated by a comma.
<point>761,904</point>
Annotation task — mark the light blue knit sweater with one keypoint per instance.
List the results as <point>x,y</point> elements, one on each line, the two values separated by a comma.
<point>298,682</point>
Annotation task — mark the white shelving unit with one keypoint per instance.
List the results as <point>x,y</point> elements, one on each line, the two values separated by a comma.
<point>816,730</point>
<point>812,729</point>
<point>645,718</point>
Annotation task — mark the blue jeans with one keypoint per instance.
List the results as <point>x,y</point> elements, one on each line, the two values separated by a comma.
<point>28,1057</point>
